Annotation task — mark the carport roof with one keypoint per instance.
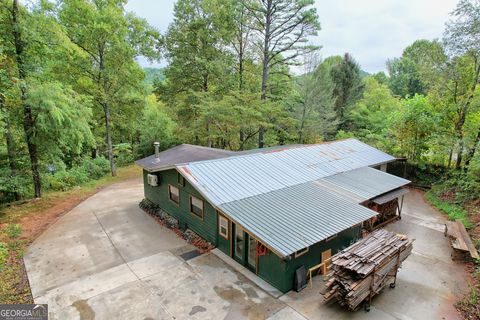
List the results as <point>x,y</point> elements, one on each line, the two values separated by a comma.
<point>363,183</point>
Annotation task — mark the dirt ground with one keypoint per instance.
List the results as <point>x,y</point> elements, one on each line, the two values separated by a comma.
<point>34,216</point>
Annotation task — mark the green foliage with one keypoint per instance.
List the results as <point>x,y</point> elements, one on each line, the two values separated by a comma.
<point>3,255</point>
<point>208,23</point>
<point>95,168</point>
<point>13,230</point>
<point>107,40</point>
<point>154,125</point>
<point>453,211</point>
<point>314,101</point>
<point>348,87</point>
<point>62,119</point>
<point>89,169</point>
<point>154,75</point>
<point>370,118</point>
<point>405,79</point>
<point>123,154</point>
<point>413,126</point>
<point>465,186</point>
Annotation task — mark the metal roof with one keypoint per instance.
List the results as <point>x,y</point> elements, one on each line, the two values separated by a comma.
<point>290,219</point>
<point>363,183</point>
<point>234,178</point>
<point>182,154</point>
<point>384,198</point>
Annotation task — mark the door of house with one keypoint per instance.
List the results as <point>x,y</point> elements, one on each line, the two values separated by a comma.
<point>252,253</point>
<point>327,254</point>
<point>238,244</point>
<point>244,248</point>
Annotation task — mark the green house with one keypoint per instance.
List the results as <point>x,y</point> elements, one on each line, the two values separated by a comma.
<point>277,209</point>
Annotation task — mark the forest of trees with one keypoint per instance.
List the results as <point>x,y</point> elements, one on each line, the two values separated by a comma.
<point>240,74</point>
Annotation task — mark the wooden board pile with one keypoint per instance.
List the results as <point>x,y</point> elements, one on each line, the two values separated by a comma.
<point>362,270</point>
<point>460,240</point>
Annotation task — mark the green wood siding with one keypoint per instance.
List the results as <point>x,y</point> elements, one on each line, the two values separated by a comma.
<point>280,273</point>
<point>206,228</point>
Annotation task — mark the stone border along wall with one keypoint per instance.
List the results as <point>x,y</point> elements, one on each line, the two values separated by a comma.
<point>170,222</point>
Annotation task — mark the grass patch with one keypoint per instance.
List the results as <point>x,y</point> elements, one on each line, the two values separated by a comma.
<point>22,221</point>
<point>14,286</point>
<point>453,211</point>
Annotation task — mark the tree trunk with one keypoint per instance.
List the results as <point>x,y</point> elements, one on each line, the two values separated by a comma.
<point>106,110</point>
<point>209,139</point>
<point>461,143</point>
<point>265,62</point>
<point>302,123</point>
<point>242,139</point>
<point>240,70</point>
<point>205,82</point>
<point>450,156</point>
<point>471,152</point>
<point>28,121</point>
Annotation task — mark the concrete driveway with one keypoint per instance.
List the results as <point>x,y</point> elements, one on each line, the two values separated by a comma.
<point>107,259</point>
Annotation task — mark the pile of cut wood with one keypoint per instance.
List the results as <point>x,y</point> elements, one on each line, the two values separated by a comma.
<point>362,270</point>
<point>463,247</point>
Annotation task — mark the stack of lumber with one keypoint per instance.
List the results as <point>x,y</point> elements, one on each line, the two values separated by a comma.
<point>362,270</point>
<point>460,240</point>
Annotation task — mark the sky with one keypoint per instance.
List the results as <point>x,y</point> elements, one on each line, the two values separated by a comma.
<point>373,31</point>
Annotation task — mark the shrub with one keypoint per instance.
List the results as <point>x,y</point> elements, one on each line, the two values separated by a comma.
<point>3,254</point>
<point>96,168</point>
<point>13,230</point>
<point>64,180</point>
<point>123,154</point>
<point>89,169</point>
<point>453,211</point>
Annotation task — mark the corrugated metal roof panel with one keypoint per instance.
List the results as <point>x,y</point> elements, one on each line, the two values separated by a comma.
<point>181,154</point>
<point>238,177</point>
<point>363,183</point>
<point>384,198</point>
<point>292,218</point>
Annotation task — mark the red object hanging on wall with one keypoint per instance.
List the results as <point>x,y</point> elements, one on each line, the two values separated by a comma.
<point>261,249</point>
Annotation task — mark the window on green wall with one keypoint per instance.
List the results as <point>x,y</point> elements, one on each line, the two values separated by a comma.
<point>301,252</point>
<point>180,179</point>
<point>223,226</point>
<point>196,206</point>
<point>174,194</point>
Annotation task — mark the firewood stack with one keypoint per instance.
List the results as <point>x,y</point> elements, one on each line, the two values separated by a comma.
<point>362,270</point>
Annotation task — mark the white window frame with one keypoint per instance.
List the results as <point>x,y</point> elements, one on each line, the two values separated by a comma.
<point>300,253</point>
<point>170,187</point>
<point>191,205</point>
<point>220,226</point>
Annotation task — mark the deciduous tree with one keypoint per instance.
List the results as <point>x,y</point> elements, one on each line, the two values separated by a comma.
<point>109,39</point>
<point>283,27</point>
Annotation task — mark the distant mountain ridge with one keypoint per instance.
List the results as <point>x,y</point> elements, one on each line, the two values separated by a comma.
<point>153,74</point>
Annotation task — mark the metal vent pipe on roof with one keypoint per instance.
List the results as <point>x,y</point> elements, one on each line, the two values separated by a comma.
<point>156,144</point>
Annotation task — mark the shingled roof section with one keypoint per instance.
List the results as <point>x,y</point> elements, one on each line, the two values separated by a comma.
<point>183,153</point>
